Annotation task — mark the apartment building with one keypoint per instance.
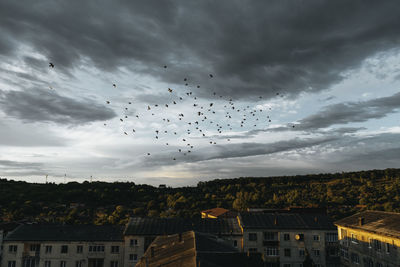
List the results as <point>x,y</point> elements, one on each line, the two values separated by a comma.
<point>287,239</point>
<point>194,249</point>
<point>141,232</point>
<point>38,245</point>
<point>370,239</point>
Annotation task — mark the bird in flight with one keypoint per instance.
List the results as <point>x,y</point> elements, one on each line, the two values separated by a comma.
<point>51,65</point>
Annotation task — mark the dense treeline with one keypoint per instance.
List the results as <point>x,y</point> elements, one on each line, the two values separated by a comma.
<point>113,203</point>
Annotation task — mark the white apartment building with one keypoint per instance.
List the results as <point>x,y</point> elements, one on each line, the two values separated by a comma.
<point>38,245</point>
<point>286,239</point>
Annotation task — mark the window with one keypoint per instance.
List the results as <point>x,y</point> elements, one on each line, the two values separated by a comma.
<point>78,264</point>
<point>133,242</point>
<point>47,263</point>
<point>379,264</point>
<point>377,245</point>
<point>344,252</point>
<point>133,257</point>
<point>316,252</point>
<point>387,248</point>
<point>370,242</point>
<point>287,252</point>
<point>12,248</point>
<point>29,262</point>
<point>271,251</point>
<point>316,237</point>
<point>64,249</point>
<point>286,265</point>
<point>114,264</point>
<point>63,264</point>
<point>48,249</point>
<point>302,252</point>
<point>11,263</point>
<point>369,262</point>
<point>235,243</point>
<point>252,237</point>
<point>286,237</point>
<point>115,249</point>
<point>252,250</point>
<point>355,258</point>
<point>35,247</point>
<point>79,249</point>
<point>269,235</point>
<point>354,238</point>
<point>331,237</point>
<point>97,248</point>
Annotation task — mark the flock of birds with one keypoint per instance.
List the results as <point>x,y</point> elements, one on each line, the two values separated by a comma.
<point>209,121</point>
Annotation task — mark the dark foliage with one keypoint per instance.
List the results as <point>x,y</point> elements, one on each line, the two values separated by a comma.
<point>113,203</point>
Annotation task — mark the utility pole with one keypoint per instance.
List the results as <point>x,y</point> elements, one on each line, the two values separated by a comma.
<point>91,177</point>
<point>46,178</point>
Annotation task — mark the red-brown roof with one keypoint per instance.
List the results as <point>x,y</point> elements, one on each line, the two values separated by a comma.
<point>215,211</point>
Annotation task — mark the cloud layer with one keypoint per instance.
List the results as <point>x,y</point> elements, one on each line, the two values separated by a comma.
<point>253,48</point>
<point>46,106</point>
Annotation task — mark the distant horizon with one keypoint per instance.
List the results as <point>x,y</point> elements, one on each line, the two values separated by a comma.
<point>194,185</point>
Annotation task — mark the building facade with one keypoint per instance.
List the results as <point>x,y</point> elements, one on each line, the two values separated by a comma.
<point>64,246</point>
<point>287,239</point>
<point>370,239</point>
<point>141,232</point>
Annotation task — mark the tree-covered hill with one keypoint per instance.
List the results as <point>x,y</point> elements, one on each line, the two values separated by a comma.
<point>114,203</point>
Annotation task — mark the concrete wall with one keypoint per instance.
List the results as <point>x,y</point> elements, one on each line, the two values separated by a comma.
<point>357,242</point>
<point>23,250</point>
<point>295,259</point>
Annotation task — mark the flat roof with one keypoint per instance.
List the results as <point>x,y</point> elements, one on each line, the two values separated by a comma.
<point>288,221</point>
<point>44,232</point>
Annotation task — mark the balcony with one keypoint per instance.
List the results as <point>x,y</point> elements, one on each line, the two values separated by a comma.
<point>271,243</point>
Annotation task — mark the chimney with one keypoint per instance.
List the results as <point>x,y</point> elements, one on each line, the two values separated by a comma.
<point>152,252</point>
<point>361,221</point>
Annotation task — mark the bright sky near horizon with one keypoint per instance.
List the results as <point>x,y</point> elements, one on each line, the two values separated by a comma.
<point>331,69</point>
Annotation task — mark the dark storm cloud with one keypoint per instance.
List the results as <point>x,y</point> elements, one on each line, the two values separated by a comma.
<point>251,47</point>
<point>44,105</point>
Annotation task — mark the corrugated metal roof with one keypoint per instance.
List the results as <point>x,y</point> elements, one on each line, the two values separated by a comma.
<point>285,221</point>
<point>43,232</point>
<point>380,222</point>
<point>168,226</point>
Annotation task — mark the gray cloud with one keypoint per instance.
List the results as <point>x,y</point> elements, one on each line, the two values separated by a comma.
<point>348,112</point>
<point>238,150</point>
<point>252,48</point>
<point>48,106</point>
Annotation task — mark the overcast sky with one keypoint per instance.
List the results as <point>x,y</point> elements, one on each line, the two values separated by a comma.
<point>296,87</point>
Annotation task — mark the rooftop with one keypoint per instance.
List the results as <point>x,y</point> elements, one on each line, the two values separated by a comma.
<point>43,232</point>
<point>191,249</point>
<point>216,212</point>
<point>303,221</point>
<point>168,226</point>
<point>379,222</point>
